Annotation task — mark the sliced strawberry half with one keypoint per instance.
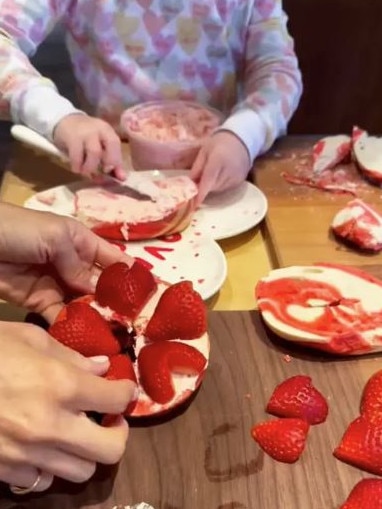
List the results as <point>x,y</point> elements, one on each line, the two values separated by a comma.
<point>179,314</point>
<point>282,439</point>
<point>365,494</point>
<point>121,368</point>
<point>158,361</point>
<point>371,402</point>
<point>361,445</point>
<point>125,290</point>
<point>83,329</point>
<point>297,397</point>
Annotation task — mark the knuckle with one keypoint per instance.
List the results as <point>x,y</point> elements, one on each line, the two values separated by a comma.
<point>37,427</point>
<point>85,472</point>
<point>34,335</point>
<point>116,452</point>
<point>94,151</point>
<point>60,382</point>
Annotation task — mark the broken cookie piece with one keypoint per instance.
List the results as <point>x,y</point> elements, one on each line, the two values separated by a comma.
<point>359,225</point>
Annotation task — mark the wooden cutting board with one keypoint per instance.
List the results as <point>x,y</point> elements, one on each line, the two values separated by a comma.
<point>299,217</point>
<point>205,458</point>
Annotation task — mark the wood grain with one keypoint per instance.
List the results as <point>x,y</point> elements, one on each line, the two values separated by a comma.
<point>298,219</point>
<point>205,458</point>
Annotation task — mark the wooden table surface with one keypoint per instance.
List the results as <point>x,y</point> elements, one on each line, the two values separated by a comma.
<point>299,217</point>
<point>205,458</point>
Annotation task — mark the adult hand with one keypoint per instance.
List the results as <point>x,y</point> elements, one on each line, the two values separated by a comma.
<point>41,254</point>
<point>45,390</point>
<point>222,163</point>
<point>91,144</point>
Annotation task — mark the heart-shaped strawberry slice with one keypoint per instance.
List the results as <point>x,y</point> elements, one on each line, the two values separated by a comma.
<point>179,314</point>
<point>125,290</point>
<point>283,439</point>
<point>367,493</point>
<point>83,329</point>
<point>371,403</point>
<point>121,368</point>
<point>297,397</point>
<point>361,445</point>
<point>157,362</point>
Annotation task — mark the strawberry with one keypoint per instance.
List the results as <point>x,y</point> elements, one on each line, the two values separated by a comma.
<point>125,290</point>
<point>297,397</point>
<point>367,493</point>
<point>83,329</point>
<point>157,361</point>
<point>121,368</point>
<point>361,445</point>
<point>371,403</point>
<point>179,314</point>
<point>283,439</point>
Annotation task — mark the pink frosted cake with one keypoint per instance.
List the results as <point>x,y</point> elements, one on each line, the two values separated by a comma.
<point>113,212</point>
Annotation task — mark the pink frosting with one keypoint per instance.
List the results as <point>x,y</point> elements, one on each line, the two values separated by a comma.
<point>172,123</point>
<point>113,204</point>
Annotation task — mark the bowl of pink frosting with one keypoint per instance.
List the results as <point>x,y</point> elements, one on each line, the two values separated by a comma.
<point>167,134</point>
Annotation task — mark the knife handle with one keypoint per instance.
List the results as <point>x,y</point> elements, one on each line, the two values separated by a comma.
<point>37,141</point>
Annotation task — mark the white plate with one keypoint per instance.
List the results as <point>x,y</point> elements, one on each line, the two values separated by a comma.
<point>186,255</point>
<point>191,255</point>
<point>226,214</point>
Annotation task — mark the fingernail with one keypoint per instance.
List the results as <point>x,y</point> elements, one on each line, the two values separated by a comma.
<point>100,359</point>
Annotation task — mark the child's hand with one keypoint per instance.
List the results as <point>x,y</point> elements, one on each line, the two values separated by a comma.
<point>222,162</point>
<point>90,144</point>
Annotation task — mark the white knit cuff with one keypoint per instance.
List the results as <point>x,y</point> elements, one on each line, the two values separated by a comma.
<point>41,108</point>
<point>248,126</point>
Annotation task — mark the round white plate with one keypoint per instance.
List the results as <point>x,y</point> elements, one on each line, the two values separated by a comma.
<point>190,255</point>
<point>226,214</point>
<point>186,255</point>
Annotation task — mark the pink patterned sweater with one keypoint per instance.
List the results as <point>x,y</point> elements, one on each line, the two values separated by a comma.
<point>235,55</point>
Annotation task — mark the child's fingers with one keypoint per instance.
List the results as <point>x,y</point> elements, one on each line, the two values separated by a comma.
<point>93,155</point>
<point>208,179</point>
<point>76,153</point>
<point>112,154</point>
<point>198,166</point>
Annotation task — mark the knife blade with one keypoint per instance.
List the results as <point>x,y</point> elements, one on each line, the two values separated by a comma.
<point>134,180</point>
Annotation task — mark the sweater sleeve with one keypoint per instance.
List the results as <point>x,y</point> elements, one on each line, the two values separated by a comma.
<point>25,95</point>
<point>272,80</point>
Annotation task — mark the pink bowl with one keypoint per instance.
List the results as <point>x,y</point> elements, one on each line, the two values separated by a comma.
<point>167,134</point>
